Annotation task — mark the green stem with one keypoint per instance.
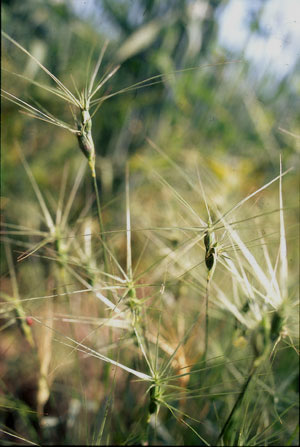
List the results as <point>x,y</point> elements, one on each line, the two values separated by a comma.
<point>102,235</point>
<point>206,316</point>
<point>237,403</point>
<point>98,208</point>
<point>103,239</point>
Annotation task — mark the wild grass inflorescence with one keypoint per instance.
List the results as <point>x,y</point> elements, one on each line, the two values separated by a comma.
<point>194,312</point>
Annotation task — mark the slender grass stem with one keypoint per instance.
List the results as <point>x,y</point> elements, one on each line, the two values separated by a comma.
<point>237,403</point>
<point>103,239</point>
<point>206,316</point>
<point>102,233</point>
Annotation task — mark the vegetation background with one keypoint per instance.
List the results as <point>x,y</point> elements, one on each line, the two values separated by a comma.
<point>226,122</point>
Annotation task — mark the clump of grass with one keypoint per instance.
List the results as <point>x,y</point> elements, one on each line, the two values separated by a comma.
<point>196,318</point>
<point>263,319</point>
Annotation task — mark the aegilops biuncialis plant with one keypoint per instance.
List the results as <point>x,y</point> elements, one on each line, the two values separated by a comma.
<point>83,101</point>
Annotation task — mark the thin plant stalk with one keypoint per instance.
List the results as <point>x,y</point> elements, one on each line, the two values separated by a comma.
<point>237,404</point>
<point>206,316</point>
<point>102,233</point>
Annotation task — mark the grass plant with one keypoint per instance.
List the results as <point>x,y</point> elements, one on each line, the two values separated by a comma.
<point>175,327</point>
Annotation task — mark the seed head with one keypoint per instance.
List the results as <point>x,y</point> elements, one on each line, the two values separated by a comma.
<point>210,258</point>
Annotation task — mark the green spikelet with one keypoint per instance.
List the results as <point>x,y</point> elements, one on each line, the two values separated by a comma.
<point>210,258</point>
<point>85,139</point>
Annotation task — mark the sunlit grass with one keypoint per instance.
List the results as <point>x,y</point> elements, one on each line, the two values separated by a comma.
<point>168,326</point>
